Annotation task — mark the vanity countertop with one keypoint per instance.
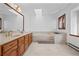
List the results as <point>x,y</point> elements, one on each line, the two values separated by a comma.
<point>4,39</point>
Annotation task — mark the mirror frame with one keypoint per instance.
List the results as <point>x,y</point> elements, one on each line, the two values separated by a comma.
<point>17,12</point>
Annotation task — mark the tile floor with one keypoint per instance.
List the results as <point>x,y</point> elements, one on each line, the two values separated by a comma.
<point>37,49</point>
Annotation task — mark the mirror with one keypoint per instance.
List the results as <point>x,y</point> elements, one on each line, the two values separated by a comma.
<point>12,20</point>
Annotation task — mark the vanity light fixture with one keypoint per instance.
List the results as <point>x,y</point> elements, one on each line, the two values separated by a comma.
<point>17,7</point>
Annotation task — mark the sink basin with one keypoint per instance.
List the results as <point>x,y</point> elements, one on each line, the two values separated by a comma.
<point>15,35</point>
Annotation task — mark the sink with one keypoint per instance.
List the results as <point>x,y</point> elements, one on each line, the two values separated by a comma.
<point>15,35</point>
<point>12,34</point>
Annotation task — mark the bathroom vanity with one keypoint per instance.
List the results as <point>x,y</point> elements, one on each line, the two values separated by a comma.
<point>11,19</point>
<point>15,46</point>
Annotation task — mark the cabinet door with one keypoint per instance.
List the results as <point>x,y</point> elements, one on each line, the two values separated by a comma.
<point>11,52</point>
<point>21,46</point>
<point>10,49</point>
<point>26,41</point>
<point>30,38</point>
<point>0,50</point>
<point>9,45</point>
<point>21,50</point>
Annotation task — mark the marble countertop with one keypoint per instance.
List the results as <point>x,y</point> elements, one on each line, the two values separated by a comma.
<point>4,39</point>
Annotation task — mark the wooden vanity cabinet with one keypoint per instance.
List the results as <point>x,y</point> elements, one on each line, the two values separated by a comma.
<point>26,41</point>
<point>10,48</point>
<point>30,39</point>
<point>16,47</point>
<point>0,50</point>
<point>21,46</point>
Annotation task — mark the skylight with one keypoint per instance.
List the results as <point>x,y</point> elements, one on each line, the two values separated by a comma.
<point>38,12</point>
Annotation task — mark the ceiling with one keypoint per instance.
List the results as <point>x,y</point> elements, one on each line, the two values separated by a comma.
<point>47,8</point>
<point>28,8</point>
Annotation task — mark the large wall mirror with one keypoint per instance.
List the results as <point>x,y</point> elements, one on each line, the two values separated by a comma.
<point>19,18</point>
<point>13,20</point>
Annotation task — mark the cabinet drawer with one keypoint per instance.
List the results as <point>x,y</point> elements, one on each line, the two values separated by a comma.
<point>30,36</point>
<point>9,45</point>
<point>26,42</point>
<point>11,52</point>
<point>30,41</point>
<point>21,50</point>
<point>21,45</point>
<point>21,40</point>
<point>26,39</point>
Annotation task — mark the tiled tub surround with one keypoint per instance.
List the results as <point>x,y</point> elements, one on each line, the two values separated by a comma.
<point>14,45</point>
<point>43,37</point>
<point>60,38</point>
<point>49,37</point>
